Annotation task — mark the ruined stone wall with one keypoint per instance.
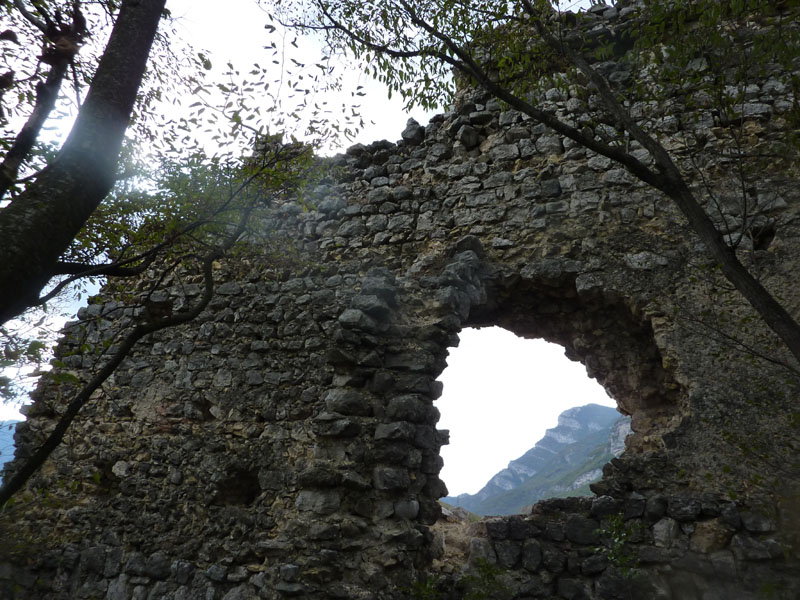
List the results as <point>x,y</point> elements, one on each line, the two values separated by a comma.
<point>285,444</point>
<point>656,546</point>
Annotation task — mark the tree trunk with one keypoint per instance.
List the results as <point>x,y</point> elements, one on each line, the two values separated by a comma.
<point>38,227</point>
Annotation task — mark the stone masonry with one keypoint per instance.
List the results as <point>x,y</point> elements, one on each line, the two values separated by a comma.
<point>285,443</point>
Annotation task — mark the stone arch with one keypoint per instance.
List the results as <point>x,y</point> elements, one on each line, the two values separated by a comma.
<point>605,333</point>
<point>603,330</point>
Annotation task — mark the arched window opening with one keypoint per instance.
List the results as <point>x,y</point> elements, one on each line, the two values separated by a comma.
<point>526,423</point>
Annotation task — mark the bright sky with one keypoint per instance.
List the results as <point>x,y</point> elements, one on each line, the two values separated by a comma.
<point>500,392</point>
<point>237,34</point>
<point>10,412</point>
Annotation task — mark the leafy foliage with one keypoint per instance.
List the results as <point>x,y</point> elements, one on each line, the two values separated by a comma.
<point>426,588</point>
<point>618,535</point>
<point>172,198</point>
<point>517,50</point>
<point>483,582</point>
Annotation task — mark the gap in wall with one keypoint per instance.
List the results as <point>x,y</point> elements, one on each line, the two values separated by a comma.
<point>501,394</point>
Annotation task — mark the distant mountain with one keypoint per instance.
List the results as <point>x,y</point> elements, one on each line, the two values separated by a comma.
<point>563,463</point>
<point>6,443</point>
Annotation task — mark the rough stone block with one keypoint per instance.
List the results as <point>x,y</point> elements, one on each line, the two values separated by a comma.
<point>390,478</point>
<point>745,547</point>
<point>414,133</point>
<point>504,152</point>
<point>656,507</point>
<point>348,402</point>
<point>327,426</point>
<point>508,117</point>
<point>497,528</point>
<point>410,165</point>
<point>729,515</point>
<point>594,564</point>
<point>400,223</point>
<point>388,208</point>
<point>373,305</point>
<point>118,589</point>
<point>93,560</point>
<point>514,134</point>
<point>410,361</point>
<point>290,589</point>
<point>723,563</point>
<point>549,144</point>
<point>406,509</point>
<point>135,564</point>
<point>572,589</point>
<point>181,571</point>
<point>508,553</point>
<point>555,531</point>
<point>481,117</point>
<point>157,566</point>
<point>710,536</point>
<point>666,532</point>
<point>481,550</point>
<point>229,288</point>
<point>531,555</point>
<point>603,506</point>
<point>645,261</point>
<point>561,206</point>
<point>520,528</point>
<point>581,530</point>
<point>756,109</point>
<point>353,318</point>
<point>634,506</point>
<point>757,522</point>
<point>684,508</point>
<point>408,408</point>
<point>399,430</point>
<point>321,502</point>
<point>438,152</point>
<point>553,559</point>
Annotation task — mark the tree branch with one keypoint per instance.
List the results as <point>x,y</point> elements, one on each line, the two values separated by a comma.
<point>465,63</point>
<point>667,178</point>
<point>46,95</point>
<point>32,464</point>
<point>33,20</point>
<point>674,186</point>
<point>80,270</point>
<point>38,227</point>
<point>109,269</point>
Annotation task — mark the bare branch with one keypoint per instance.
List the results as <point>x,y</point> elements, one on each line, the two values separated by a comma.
<point>32,464</point>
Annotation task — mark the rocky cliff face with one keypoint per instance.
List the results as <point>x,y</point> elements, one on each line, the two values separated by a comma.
<point>285,444</point>
<point>564,462</point>
<point>620,430</point>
